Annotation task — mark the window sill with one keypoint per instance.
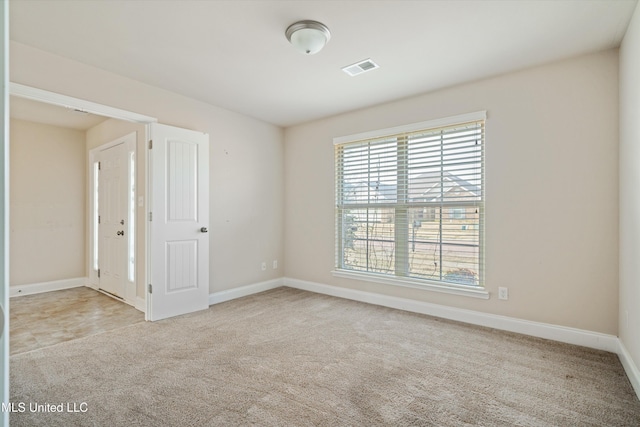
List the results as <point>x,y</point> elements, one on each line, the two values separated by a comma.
<point>467,291</point>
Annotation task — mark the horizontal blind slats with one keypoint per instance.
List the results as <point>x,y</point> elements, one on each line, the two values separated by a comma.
<point>411,204</point>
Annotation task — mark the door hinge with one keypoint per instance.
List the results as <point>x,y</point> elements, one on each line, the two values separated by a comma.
<point>99,165</point>
<point>150,144</point>
<point>150,288</point>
<point>98,273</point>
<point>98,219</point>
<point>150,216</point>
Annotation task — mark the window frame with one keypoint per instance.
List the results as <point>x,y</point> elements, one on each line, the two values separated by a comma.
<point>393,278</point>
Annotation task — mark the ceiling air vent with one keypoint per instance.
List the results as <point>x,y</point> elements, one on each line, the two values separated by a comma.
<point>360,67</point>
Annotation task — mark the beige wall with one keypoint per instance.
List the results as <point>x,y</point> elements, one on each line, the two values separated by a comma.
<point>47,204</point>
<point>551,191</point>
<point>629,193</point>
<point>104,133</point>
<point>246,175</point>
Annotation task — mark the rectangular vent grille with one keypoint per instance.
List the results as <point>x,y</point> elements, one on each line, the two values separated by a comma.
<point>360,67</point>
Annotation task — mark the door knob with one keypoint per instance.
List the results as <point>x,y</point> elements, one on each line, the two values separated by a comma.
<point>204,230</point>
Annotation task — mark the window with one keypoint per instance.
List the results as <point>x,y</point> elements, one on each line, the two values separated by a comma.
<point>457,213</point>
<point>410,202</point>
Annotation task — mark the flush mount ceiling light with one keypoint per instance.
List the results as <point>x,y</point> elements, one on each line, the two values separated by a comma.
<point>308,37</point>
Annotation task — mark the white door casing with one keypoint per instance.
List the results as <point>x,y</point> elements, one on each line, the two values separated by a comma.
<point>179,217</point>
<point>115,202</point>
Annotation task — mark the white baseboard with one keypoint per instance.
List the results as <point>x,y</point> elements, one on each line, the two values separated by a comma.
<point>630,367</point>
<point>542,330</point>
<point>56,285</point>
<point>243,291</point>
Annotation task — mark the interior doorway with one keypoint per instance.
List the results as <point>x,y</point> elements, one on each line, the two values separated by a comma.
<point>172,215</point>
<point>113,215</point>
<point>108,133</point>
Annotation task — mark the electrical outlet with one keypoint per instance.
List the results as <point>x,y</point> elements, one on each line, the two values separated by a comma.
<point>264,266</point>
<point>503,293</point>
<point>275,264</point>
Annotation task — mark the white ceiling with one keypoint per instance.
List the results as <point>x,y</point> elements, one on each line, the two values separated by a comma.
<point>234,54</point>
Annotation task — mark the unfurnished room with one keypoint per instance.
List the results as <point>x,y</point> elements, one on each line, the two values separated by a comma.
<point>320,213</point>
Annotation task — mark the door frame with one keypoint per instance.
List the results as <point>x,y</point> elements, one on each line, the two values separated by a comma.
<point>48,97</point>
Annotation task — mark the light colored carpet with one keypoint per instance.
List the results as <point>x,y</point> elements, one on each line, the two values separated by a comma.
<point>293,358</point>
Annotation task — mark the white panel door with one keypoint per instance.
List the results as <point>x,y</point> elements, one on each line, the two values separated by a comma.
<point>179,217</point>
<point>113,210</point>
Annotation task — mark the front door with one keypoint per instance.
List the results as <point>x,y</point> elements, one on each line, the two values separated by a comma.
<point>113,207</point>
<point>179,217</point>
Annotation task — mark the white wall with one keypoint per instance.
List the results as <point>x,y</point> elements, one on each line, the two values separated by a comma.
<point>246,160</point>
<point>47,204</point>
<point>629,193</point>
<point>551,191</point>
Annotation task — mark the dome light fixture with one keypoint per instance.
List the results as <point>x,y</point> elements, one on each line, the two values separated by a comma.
<point>309,37</point>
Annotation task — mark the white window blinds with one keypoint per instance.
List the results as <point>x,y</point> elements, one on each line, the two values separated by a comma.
<point>411,204</point>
